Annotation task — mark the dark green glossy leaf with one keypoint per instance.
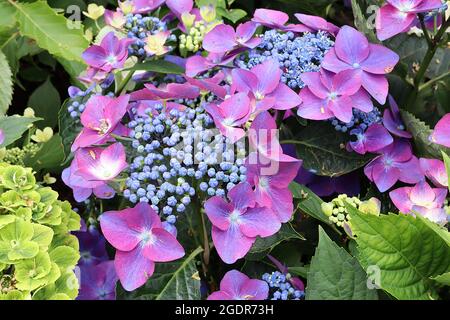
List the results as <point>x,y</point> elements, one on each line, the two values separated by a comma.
<point>45,101</point>
<point>286,232</point>
<point>49,156</point>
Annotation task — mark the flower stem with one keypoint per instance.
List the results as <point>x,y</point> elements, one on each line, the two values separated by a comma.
<point>124,82</point>
<point>433,45</point>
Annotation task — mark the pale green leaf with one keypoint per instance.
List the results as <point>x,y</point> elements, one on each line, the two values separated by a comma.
<point>335,275</point>
<point>50,30</point>
<point>6,84</point>
<point>406,251</point>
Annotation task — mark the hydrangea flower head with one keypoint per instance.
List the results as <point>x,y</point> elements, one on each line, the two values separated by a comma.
<point>268,91</point>
<point>398,16</point>
<point>83,188</point>
<point>271,181</point>
<point>100,119</point>
<point>140,240</point>
<point>224,38</point>
<point>96,164</point>
<point>237,223</point>
<point>98,282</point>
<point>231,115</point>
<point>237,286</point>
<point>395,162</point>
<point>328,95</point>
<point>393,122</point>
<point>110,54</point>
<point>375,138</point>
<point>422,199</point>
<point>370,62</point>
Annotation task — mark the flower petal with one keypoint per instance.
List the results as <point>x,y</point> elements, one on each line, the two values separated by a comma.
<point>381,60</point>
<point>133,269</point>
<point>220,39</point>
<point>232,244</point>
<point>218,212</point>
<point>163,248</point>
<point>259,221</point>
<point>351,45</point>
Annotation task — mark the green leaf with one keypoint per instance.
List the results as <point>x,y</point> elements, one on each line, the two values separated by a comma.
<point>300,271</point>
<point>406,251</point>
<point>49,156</point>
<point>159,66</point>
<point>443,279</point>
<point>421,133</point>
<point>447,166</point>
<point>6,84</point>
<point>170,281</point>
<point>286,232</point>
<point>335,275</point>
<point>50,30</point>
<point>7,19</point>
<point>234,15</point>
<point>69,128</point>
<point>45,101</point>
<point>440,231</point>
<point>309,202</point>
<point>13,127</point>
<point>325,153</point>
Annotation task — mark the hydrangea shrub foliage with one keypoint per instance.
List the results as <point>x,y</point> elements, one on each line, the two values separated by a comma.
<point>217,150</point>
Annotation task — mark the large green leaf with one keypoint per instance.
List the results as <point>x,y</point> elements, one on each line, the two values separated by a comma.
<point>13,127</point>
<point>286,232</point>
<point>405,250</point>
<point>325,153</point>
<point>7,19</point>
<point>171,281</point>
<point>6,84</point>
<point>50,30</point>
<point>49,156</point>
<point>443,279</point>
<point>421,133</point>
<point>335,275</point>
<point>45,101</point>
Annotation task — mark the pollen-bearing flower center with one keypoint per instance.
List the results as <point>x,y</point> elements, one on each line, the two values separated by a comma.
<point>147,236</point>
<point>332,95</point>
<point>259,95</point>
<point>235,217</point>
<point>104,127</point>
<point>111,59</point>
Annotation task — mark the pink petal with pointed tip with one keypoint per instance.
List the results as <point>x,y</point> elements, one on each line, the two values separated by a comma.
<point>313,108</point>
<point>282,203</point>
<point>332,63</point>
<point>242,196</point>
<point>259,221</point>
<point>341,108</point>
<point>384,177</point>
<point>232,244</point>
<point>285,98</point>
<point>434,170</point>
<point>422,194</point>
<point>381,60</point>
<point>313,81</point>
<point>218,212</point>
<point>115,227</point>
<point>165,247</point>
<point>244,80</point>
<point>400,198</point>
<point>245,31</point>
<point>347,82</point>
<point>196,65</point>
<point>361,100</point>
<point>266,83</point>
<point>351,45</point>
<point>132,268</point>
<point>254,289</point>
<point>390,22</point>
<point>270,17</point>
<point>410,171</point>
<point>220,39</point>
<point>441,132</point>
<point>376,85</point>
